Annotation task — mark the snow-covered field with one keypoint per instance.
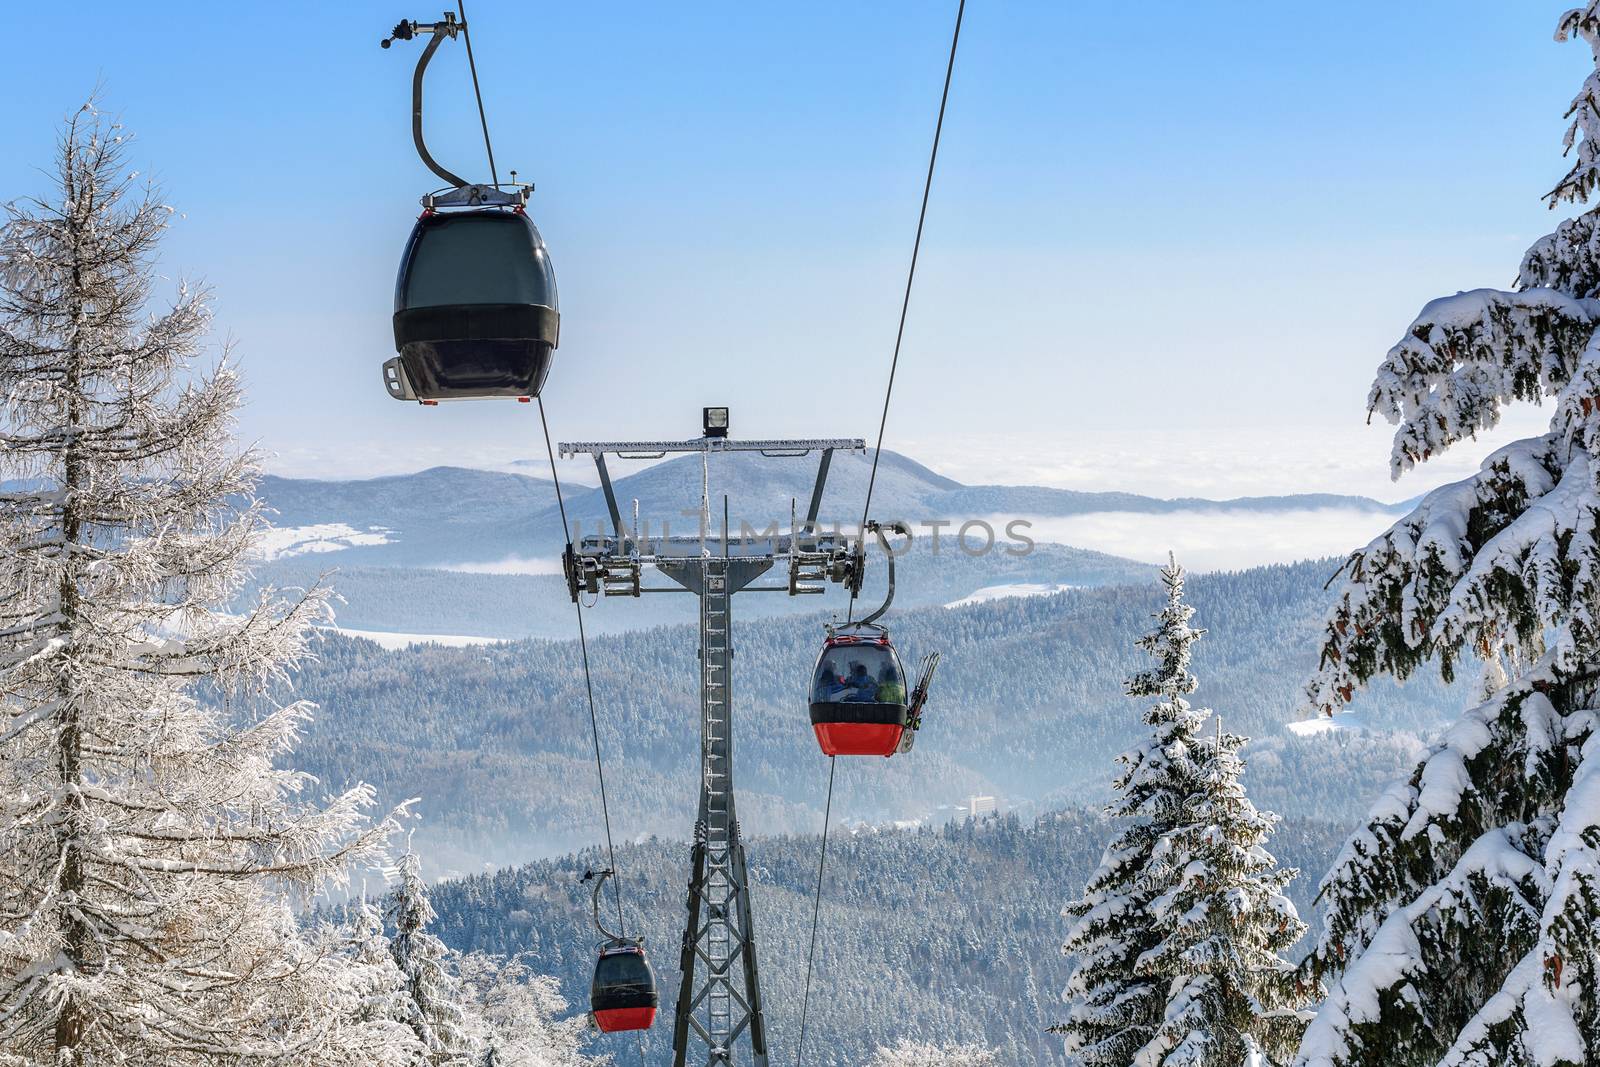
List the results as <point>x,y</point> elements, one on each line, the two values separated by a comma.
<point>1322,726</point>
<point>394,641</point>
<point>280,542</point>
<point>999,592</point>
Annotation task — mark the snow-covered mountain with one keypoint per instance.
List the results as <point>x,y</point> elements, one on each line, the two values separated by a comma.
<point>451,515</point>
<point>461,552</point>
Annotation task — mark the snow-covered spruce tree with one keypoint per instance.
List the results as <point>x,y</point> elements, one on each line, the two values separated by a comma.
<point>1224,921</point>
<point>432,1005</point>
<point>1179,929</point>
<point>445,1009</point>
<point>375,980</point>
<point>920,1054</point>
<point>1462,920</point>
<point>1114,1009</point>
<point>148,845</point>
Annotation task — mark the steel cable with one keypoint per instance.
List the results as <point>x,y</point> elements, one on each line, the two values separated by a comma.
<point>561,505</point>
<point>472,65</point>
<point>816,910</point>
<point>588,685</point>
<point>872,480</point>
<point>911,276</point>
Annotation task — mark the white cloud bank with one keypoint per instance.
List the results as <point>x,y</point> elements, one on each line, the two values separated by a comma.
<point>509,565</point>
<point>1210,540</point>
<point>1000,592</point>
<point>1208,460</point>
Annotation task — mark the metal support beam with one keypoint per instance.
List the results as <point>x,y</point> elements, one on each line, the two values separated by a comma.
<point>611,497</point>
<point>798,446</point>
<point>726,1001</point>
<point>816,492</point>
<point>691,940</point>
<point>758,1015</point>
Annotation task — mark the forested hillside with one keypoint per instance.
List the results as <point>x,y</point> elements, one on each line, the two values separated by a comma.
<point>938,934</point>
<point>1028,705</point>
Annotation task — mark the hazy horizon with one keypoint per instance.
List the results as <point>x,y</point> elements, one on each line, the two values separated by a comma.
<point>1212,464</point>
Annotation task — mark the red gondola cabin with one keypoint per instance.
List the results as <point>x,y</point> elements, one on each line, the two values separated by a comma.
<point>623,995</point>
<point>859,704</point>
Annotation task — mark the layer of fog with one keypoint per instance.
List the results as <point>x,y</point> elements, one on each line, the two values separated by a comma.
<point>1212,540</point>
<point>1204,540</point>
<point>395,641</point>
<point>509,565</point>
<point>1205,459</point>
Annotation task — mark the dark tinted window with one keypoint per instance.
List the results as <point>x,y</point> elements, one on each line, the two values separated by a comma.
<point>853,673</point>
<point>624,972</point>
<point>479,259</point>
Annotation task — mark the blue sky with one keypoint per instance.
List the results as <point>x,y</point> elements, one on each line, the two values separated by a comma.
<point>1167,244</point>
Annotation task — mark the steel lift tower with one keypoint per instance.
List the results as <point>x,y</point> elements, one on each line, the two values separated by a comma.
<point>719,994</point>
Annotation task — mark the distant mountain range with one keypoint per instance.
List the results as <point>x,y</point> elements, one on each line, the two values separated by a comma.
<point>452,515</point>
<point>456,551</point>
<point>948,929</point>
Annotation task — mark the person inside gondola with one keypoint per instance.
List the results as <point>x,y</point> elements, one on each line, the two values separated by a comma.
<point>860,685</point>
<point>891,690</point>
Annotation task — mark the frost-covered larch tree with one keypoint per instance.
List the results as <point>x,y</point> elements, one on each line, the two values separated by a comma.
<point>1462,920</point>
<point>149,844</point>
<point>432,1005</point>
<point>1179,929</point>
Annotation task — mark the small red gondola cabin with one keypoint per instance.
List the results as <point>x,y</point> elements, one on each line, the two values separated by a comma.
<point>859,703</point>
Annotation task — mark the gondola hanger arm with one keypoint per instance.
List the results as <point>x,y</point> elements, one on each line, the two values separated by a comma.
<point>599,880</point>
<point>878,528</point>
<point>407,30</point>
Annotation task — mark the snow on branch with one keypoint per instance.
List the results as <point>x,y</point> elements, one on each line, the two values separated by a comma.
<point>1567,260</point>
<point>1419,591</point>
<point>1467,356</point>
<point>1461,931</point>
<point>1461,850</point>
<point>1583,133</point>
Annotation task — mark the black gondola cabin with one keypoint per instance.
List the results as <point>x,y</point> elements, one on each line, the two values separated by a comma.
<point>475,308</point>
<point>859,704</point>
<point>623,995</point>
